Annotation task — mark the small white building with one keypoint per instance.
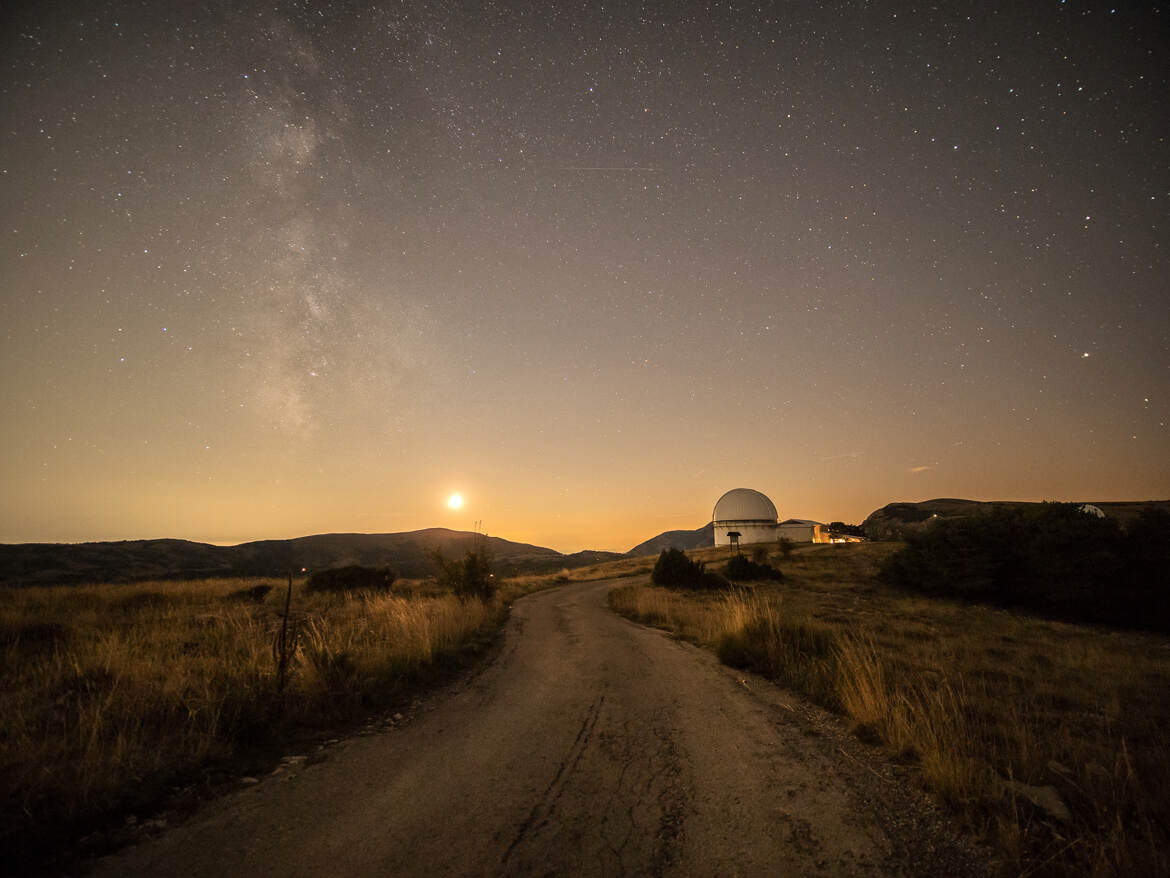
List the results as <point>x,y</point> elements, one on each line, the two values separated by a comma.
<point>802,530</point>
<point>744,516</point>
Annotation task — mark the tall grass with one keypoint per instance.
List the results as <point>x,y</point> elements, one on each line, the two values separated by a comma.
<point>111,693</point>
<point>1008,717</point>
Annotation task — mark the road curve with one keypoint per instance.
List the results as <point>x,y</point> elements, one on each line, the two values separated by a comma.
<point>588,746</point>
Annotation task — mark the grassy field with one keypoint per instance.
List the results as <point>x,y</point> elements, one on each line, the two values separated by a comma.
<point>115,696</point>
<point>1049,738</point>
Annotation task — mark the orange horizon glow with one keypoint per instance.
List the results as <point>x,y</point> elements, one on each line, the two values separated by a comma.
<point>589,527</point>
<point>322,283</point>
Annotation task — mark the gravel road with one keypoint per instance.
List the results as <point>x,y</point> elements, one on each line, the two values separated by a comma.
<point>586,746</point>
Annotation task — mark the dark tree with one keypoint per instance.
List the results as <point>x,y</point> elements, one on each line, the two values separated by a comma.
<point>1052,559</point>
<point>352,578</point>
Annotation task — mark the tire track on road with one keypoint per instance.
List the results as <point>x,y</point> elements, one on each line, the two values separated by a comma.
<point>548,799</point>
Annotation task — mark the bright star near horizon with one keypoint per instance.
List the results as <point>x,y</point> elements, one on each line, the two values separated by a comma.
<point>455,501</point>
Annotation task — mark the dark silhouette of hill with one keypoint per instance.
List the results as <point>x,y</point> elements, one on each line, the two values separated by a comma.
<point>700,538</point>
<point>1051,559</point>
<point>894,520</point>
<point>408,553</point>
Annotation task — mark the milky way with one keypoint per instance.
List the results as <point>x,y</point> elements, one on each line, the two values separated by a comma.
<point>313,267</point>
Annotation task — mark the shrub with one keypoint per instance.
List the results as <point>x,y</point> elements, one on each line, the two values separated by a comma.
<point>675,570</point>
<point>352,578</point>
<point>471,577</point>
<point>840,528</point>
<point>711,580</point>
<point>1053,559</point>
<point>741,568</point>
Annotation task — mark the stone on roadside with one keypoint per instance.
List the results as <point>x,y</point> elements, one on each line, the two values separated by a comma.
<point>1046,799</point>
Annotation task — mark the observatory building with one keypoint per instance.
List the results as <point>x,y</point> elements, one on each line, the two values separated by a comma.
<point>744,516</point>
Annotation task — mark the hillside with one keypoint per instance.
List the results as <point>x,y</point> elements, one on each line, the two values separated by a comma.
<point>699,538</point>
<point>135,560</point>
<point>893,519</point>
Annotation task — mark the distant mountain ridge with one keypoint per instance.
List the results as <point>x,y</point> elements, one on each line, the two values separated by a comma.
<point>409,553</point>
<point>699,538</point>
<point>135,560</point>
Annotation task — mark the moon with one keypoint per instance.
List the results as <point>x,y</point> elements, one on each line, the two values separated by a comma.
<point>455,501</point>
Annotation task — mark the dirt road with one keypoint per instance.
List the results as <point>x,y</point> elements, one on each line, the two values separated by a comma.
<point>588,746</point>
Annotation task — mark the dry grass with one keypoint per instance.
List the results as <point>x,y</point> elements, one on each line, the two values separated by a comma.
<point>516,586</point>
<point>982,699</point>
<point>111,694</point>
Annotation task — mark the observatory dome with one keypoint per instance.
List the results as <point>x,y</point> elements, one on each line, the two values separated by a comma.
<point>744,504</point>
<point>744,516</point>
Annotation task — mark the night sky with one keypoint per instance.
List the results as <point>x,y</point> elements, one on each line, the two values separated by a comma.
<point>287,268</point>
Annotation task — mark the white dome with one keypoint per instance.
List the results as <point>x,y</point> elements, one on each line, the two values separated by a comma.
<point>744,504</point>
